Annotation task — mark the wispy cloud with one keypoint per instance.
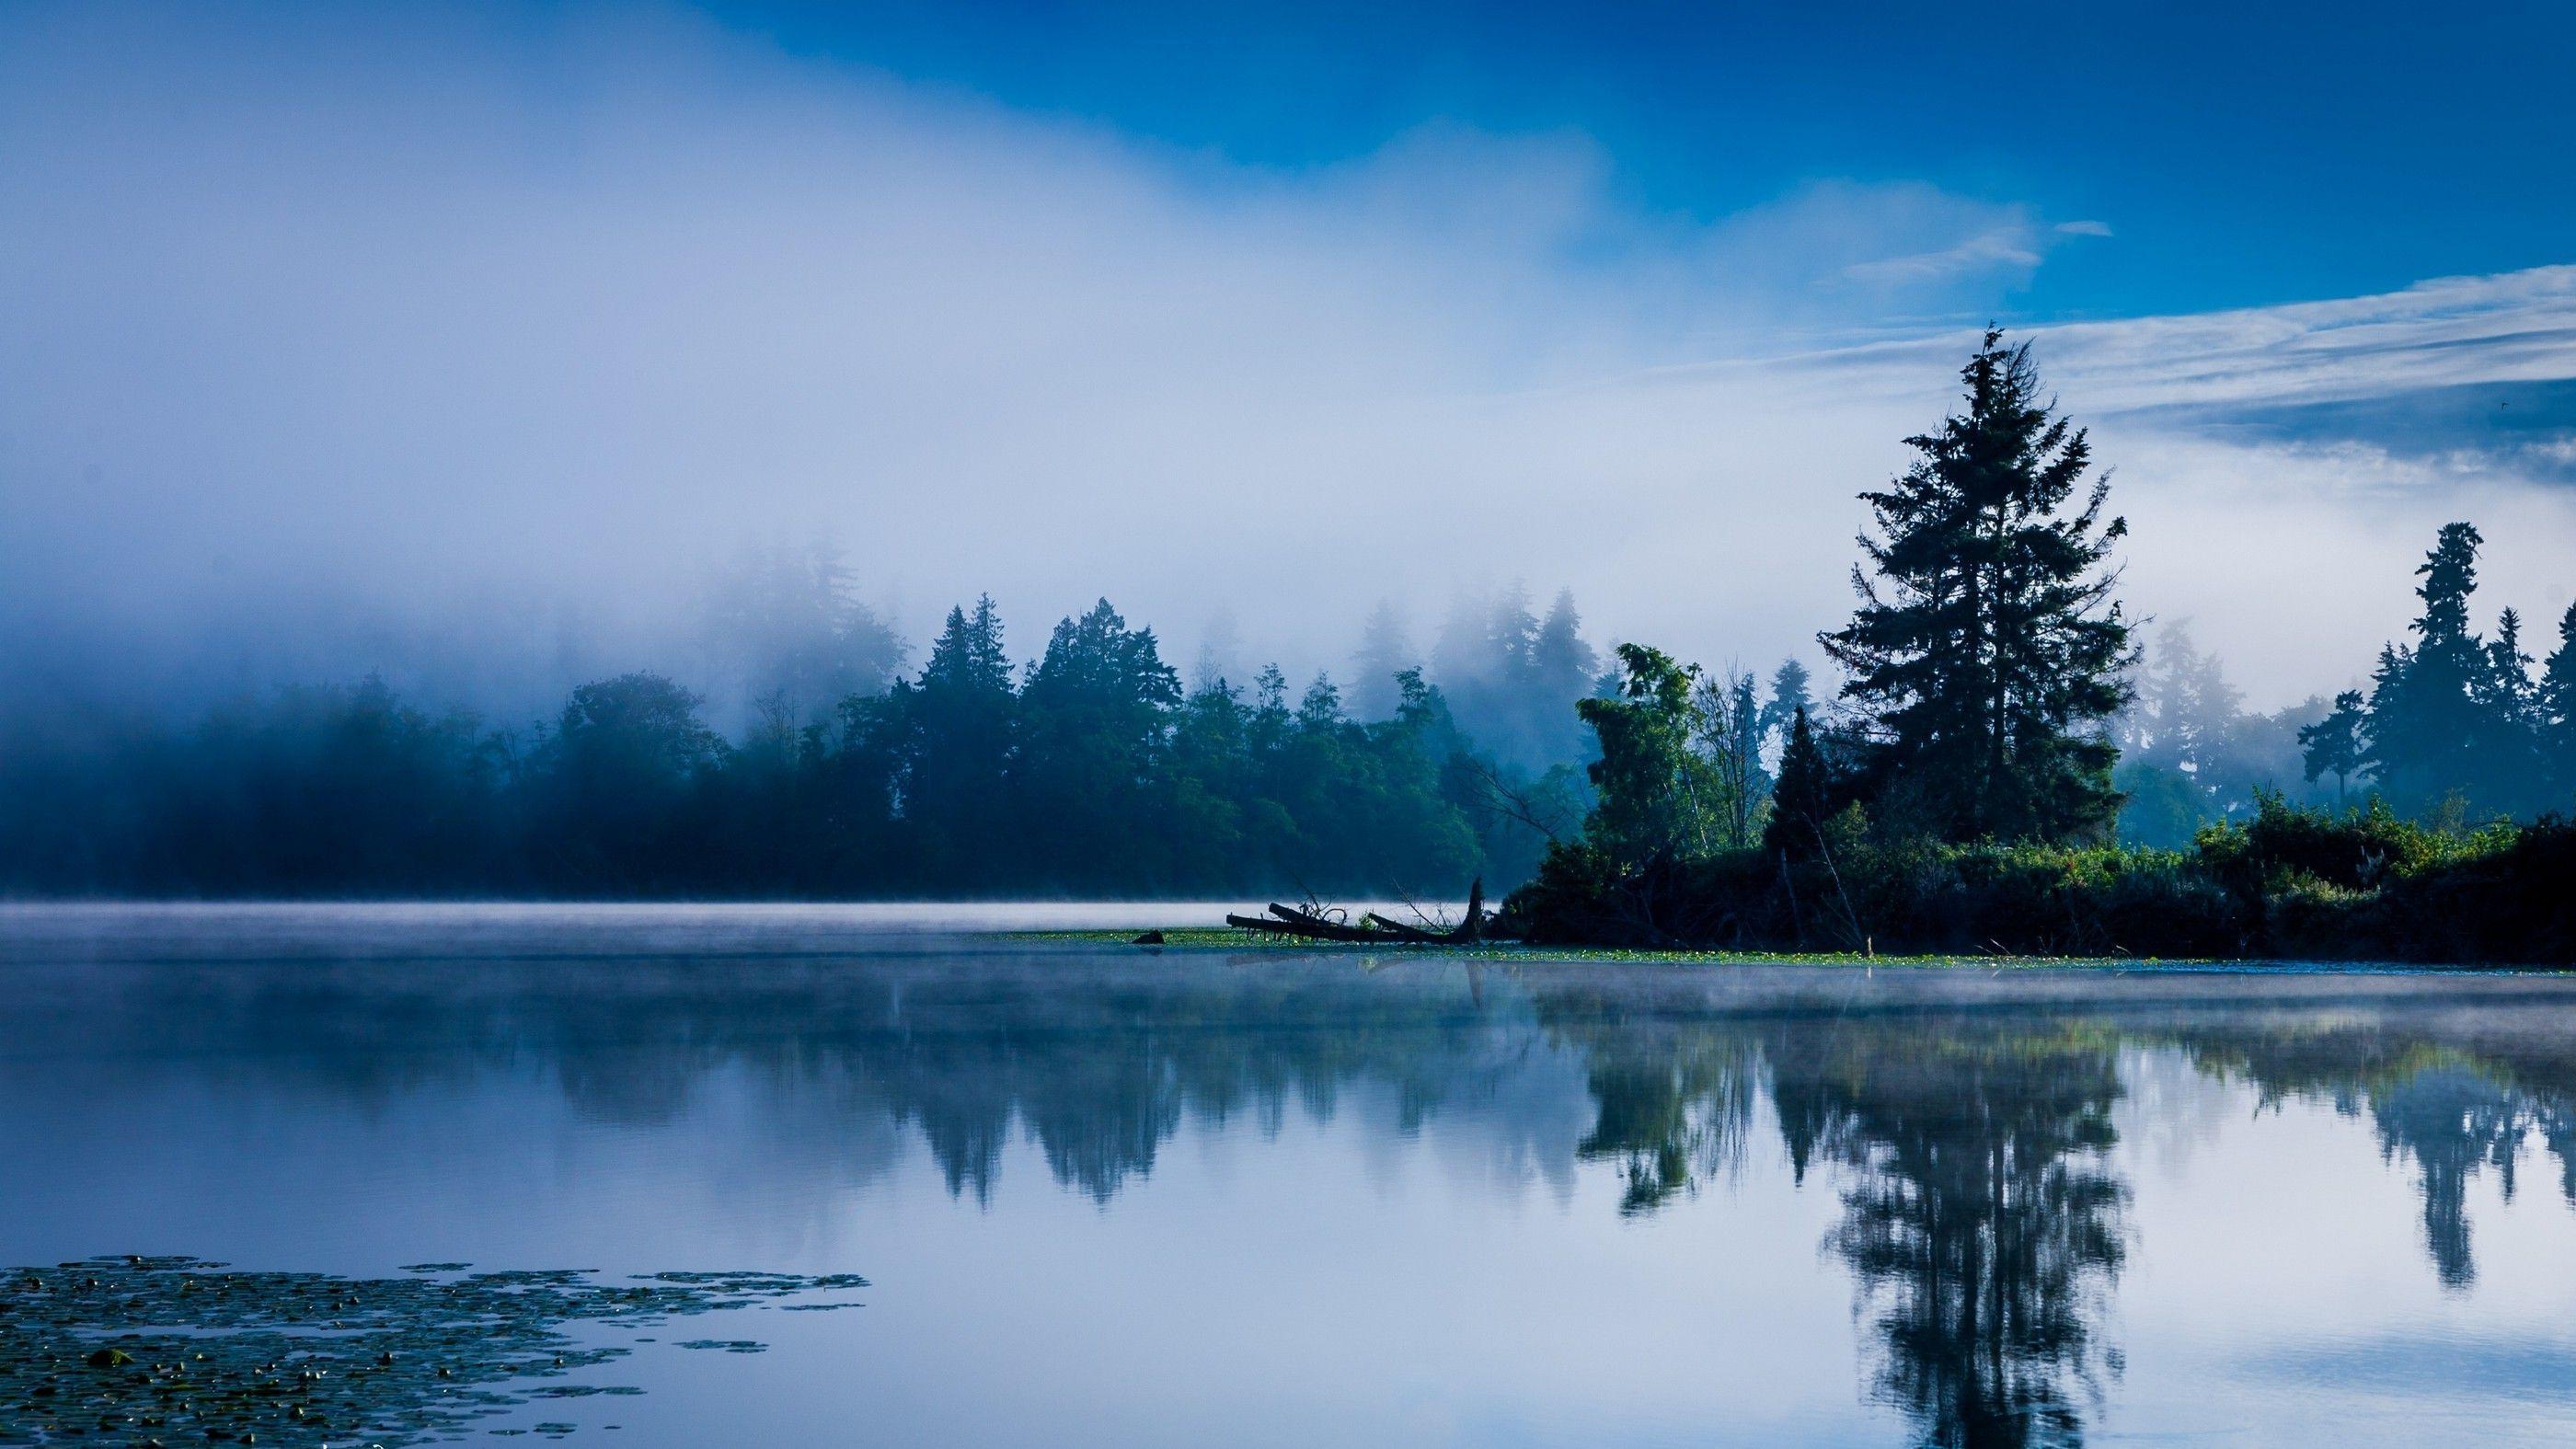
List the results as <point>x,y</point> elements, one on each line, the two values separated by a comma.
<point>2002,247</point>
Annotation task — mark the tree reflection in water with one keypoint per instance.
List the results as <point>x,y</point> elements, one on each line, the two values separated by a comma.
<point>1968,1128</point>
<point>2452,1099</point>
<point>1982,1221</point>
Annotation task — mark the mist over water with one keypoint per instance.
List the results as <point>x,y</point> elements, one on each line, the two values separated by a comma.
<point>1107,1194</point>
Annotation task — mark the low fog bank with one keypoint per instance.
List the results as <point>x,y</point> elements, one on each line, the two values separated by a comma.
<point>467,346</point>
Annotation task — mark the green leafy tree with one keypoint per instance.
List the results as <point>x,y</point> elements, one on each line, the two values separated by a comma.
<point>1652,784</point>
<point>1987,649</point>
<point>1727,726</point>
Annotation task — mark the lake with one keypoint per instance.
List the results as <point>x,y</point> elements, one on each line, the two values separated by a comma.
<point>1104,1194</point>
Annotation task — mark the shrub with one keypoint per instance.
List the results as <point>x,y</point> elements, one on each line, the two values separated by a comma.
<point>2303,883</point>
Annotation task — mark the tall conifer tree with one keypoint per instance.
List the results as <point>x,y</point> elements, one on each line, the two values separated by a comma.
<point>1802,799</point>
<point>2558,715</point>
<point>1987,649</point>
<point>2431,710</point>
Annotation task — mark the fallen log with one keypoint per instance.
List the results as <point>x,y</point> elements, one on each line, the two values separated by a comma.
<point>1374,929</point>
<point>1313,928</point>
<point>1410,935</point>
<point>1308,923</point>
<point>1466,932</point>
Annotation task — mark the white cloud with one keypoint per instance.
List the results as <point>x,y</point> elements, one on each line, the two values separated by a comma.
<point>431,313</point>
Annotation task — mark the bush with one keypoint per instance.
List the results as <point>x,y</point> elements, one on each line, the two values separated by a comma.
<point>2357,849</point>
<point>2362,885</point>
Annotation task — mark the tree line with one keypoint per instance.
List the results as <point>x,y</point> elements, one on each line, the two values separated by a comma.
<point>1993,694</point>
<point>1089,769</point>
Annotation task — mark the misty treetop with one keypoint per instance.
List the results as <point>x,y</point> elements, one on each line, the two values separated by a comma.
<point>1993,699</point>
<point>1088,768</point>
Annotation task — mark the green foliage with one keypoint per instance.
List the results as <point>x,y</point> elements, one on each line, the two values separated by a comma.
<point>2363,884</point>
<point>1987,648</point>
<point>2452,714</point>
<point>1510,676</point>
<point>612,787</point>
<point>2355,850</point>
<point>1088,772</point>
<point>1970,809</point>
<point>1654,788</point>
<point>1804,798</point>
<point>2556,713</point>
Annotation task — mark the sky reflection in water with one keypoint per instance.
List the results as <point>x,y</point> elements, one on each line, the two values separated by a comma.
<point>1108,1195</point>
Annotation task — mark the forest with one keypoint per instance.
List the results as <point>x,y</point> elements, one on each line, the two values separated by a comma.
<point>1968,788</point>
<point>2008,760</point>
<point>1091,769</point>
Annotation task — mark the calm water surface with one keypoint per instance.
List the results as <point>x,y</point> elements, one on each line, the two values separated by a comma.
<point>1107,1195</point>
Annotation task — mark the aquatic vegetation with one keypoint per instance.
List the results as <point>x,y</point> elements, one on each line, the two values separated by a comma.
<point>157,1350</point>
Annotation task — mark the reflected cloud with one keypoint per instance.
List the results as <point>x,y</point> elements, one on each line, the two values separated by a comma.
<point>1966,1125</point>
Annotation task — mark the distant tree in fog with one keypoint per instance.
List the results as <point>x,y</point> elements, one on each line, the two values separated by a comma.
<point>785,624</point>
<point>2335,745</point>
<point>1384,653</point>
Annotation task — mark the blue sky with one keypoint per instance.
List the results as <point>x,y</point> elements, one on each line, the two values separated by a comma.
<point>334,335</point>
<point>2239,154</point>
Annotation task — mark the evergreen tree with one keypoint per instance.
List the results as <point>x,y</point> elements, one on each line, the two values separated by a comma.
<point>1383,654</point>
<point>1561,670</point>
<point>2193,708</point>
<point>1220,644</point>
<point>2557,710</point>
<point>1511,636</point>
<point>2336,745</point>
<point>1458,656</point>
<point>1095,713</point>
<point>1803,799</point>
<point>1789,694</point>
<point>785,624</point>
<point>2432,708</point>
<point>948,738</point>
<point>2509,754</point>
<point>1988,650</point>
